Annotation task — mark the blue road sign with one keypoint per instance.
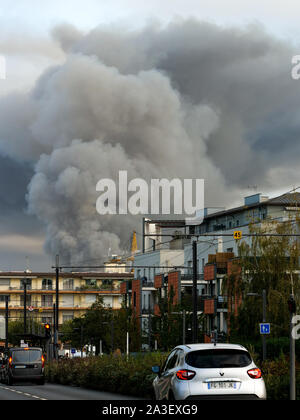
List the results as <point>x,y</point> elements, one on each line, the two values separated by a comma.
<point>265,328</point>
<point>73,351</point>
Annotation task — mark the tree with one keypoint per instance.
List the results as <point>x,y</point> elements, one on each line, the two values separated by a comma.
<point>101,323</point>
<point>270,263</point>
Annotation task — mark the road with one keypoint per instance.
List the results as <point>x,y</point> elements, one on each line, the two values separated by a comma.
<point>27,391</point>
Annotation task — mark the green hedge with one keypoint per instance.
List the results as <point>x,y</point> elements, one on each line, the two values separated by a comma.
<point>130,376</point>
<point>275,346</point>
<point>133,376</point>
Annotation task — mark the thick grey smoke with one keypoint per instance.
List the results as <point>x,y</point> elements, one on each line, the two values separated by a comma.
<point>191,100</point>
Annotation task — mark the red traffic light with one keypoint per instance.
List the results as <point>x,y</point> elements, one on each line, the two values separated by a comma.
<point>47,326</point>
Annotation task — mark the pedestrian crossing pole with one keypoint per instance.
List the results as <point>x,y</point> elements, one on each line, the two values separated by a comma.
<point>195,294</point>
<point>6,322</point>
<point>56,306</point>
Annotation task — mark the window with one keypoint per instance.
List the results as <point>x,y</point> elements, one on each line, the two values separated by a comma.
<point>91,282</point>
<point>4,284</point>
<point>47,301</point>
<point>28,300</point>
<point>67,301</point>
<point>27,282</point>
<point>171,361</point>
<point>47,319</point>
<point>67,317</point>
<point>229,249</point>
<point>2,298</point>
<point>47,284</point>
<point>90,299</point>
<point>25,356</point>
<point>218,358</point>
<point>68,284</point>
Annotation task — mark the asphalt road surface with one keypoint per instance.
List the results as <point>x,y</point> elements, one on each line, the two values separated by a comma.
<point>28,391</point>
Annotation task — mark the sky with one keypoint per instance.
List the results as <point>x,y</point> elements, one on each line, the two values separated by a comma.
<point>35,36</point>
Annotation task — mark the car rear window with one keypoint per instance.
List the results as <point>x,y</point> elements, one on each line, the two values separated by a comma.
<point>25,356</point>
<point>218,358</point>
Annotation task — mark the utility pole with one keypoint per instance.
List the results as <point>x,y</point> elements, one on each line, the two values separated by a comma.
<point>81,340</point>
<point>264,338</point>
<point>56,304</point>
<point>55,352</point>
<point>112,335</point>
<point>183,326</point>
<point>292,310</point>
<point>6,322</point>
<point>264,309</point>
<point>195,294</point>
<point>25,298</point>
<point>149,325</point>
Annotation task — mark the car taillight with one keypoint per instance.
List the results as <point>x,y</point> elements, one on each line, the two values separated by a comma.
<point>43,361</point>
<point>254,373</point>
<point>185,374</point>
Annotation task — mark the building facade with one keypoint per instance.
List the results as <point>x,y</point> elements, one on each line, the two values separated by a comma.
<point>77,292</point>
<point>162,268</point>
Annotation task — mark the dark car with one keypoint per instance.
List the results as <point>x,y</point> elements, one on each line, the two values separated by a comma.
<point>2,367</point>
<point>24,364</point>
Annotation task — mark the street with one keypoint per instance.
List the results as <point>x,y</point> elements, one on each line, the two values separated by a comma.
<point>28,391</point>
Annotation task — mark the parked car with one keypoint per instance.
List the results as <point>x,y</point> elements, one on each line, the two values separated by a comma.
<point>208,371</point>
<point>24,364</point>
<point>2,367</point>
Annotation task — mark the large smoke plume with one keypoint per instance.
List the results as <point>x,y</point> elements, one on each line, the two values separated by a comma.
<point>190,100</point>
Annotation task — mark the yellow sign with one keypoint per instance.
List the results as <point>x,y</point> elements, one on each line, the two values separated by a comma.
<point>237,234</point>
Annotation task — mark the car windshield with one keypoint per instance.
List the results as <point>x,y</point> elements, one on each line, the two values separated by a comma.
<point>218,358</point>
<point>25,356</point>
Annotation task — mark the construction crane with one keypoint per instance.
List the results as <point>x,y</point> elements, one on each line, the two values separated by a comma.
<point>133,248</point>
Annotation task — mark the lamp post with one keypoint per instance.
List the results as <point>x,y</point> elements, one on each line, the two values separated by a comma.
<point>263,295</point>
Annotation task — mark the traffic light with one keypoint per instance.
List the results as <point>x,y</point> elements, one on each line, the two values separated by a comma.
<point>47,330</point>
<point>292,304</point>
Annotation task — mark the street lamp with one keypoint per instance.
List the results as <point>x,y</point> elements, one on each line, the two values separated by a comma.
<point>263,295</point>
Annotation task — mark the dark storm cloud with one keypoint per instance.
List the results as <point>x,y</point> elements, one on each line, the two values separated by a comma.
<point>188,100</point>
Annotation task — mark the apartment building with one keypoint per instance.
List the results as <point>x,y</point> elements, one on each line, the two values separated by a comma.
<point>167,262</point>
<point>77,292</point>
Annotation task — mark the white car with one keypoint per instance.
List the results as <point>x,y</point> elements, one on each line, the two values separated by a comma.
<point>208,371</point>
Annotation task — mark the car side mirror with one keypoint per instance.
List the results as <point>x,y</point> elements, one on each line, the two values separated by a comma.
<point>156,369</point>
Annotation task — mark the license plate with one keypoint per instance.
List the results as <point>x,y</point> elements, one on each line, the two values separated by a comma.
<point>222,385</point>
<point>20,367</point>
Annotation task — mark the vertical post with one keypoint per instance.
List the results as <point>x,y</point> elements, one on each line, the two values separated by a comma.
<point>101,352</point>
<point>127,343</point>
<point>55,352</point>
<point>195,294</point>
<point>149,326</point>
<point>81,340</point>
<point>56,305</point>
<point>25,298</point>
<point>143,233</point>
<point>183,327</point>
<point>112,335</point>
<point>264,338</point>
<point>292,310</point>
<point>6,322</point>
<point>57,292</point>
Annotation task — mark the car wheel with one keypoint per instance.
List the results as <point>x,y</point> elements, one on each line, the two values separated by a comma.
<point>152,396</point>
<point>41,382</point>
<point>171,396</point>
